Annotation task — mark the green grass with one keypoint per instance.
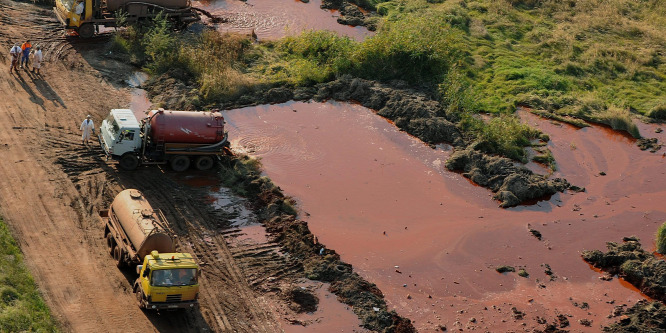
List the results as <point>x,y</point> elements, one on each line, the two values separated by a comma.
<point>661,239</point>
<point>21,306</point>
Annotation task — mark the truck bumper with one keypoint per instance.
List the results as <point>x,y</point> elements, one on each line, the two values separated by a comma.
<point>101,144</point>
<point>171,306</point>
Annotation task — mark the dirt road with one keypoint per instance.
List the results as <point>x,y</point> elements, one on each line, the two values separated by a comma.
<point>52,188</point>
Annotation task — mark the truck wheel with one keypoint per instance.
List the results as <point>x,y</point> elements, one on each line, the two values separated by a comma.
<point>86,30</point>
<point>118,256</point>
<point>109,242</point>
<point>204,163</point>
<point>129,162</point>
<point>180,163</point>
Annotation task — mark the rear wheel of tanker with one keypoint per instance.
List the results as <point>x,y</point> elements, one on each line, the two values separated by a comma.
<point>86,30</point>
<point>129,162</point>
<point>204,163</point>
<point>109,242</point>
<point>118,256</point>
<point>180,163</point>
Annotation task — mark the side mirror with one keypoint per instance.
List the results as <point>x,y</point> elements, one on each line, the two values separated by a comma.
<point>138,269</point>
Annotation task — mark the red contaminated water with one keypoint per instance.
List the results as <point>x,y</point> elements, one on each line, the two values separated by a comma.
<point>430,240</point>
<point>139,102</point>
<point>272,19</point>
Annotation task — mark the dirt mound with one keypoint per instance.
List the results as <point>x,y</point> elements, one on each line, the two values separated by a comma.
<point>301,299</point>
<point>629,261</point>
<point>644,316</point>
<point>351,14</point>
<point>172,90</point>
<point>512,184</point>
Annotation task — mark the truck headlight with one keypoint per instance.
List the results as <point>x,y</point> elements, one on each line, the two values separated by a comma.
<point>154,307</point>
<point>192,305</point>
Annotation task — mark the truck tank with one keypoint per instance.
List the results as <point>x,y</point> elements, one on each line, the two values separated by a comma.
<point>186,126</point>
<point>114,5</point>
<point>141,223</point>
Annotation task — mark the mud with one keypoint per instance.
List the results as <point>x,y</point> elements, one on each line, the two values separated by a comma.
<point>351,14</point>
<point>644,316</point>
<point>511,184</point>
<point>637,266</point>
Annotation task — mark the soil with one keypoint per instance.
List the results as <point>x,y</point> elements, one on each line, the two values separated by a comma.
<point>644,316</point>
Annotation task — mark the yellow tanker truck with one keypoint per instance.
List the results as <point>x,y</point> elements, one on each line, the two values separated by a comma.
<point>85,16</point>
<point>136,234</point>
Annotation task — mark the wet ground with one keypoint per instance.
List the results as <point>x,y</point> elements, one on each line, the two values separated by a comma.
<point>430,239</point>
<point>277,18</point>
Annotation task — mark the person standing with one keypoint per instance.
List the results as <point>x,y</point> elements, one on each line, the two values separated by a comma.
<point>88,130</point>
<point>15,54</point>
<point>37,60</point>
<point>26,53</point>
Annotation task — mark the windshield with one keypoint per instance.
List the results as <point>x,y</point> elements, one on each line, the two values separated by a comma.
<point>68,4</point>
<point>113,125</point>
<point>174,277</point>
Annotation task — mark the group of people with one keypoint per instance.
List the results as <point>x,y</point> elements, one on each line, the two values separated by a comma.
<point>24,55</point>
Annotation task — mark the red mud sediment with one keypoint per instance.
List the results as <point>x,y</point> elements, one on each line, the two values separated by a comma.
<point>278,18</point>
<point>430,240</point>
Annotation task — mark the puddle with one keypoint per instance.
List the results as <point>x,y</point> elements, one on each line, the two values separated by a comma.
<point>277,18</point>
<point>139,102</point>
<point>331,315</point>
<point>235,210</point>
<point>381,199</point>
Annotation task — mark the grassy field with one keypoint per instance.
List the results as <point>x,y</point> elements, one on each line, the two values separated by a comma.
<point>598,60</point>
<point>21,306</point>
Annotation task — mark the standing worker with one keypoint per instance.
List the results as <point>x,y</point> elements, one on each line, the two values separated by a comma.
<point>37,60</point>
<point>15,54</point>
<point>26,53</point>
<point>88,129</point>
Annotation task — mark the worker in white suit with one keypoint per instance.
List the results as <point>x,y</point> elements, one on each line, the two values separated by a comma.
<point>88,130</point>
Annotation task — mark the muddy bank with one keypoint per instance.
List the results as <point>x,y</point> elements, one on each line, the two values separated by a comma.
<point>410,110</point>
<point>511,184</point>
<point>637,266</point>
<point>278,215</point>
<point>644,316</point>
<point>351,13</point>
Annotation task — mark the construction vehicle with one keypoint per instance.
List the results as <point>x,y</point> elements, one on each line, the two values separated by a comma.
<point>85,16</point>
<point>180,138</point>
<point>137,234</point>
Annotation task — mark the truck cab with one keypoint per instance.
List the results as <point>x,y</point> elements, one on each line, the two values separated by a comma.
<point>167,281</point>
<point>120,134</point>
<point>66,12</point>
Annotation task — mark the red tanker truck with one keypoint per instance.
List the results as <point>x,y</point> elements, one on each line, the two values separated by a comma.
<point>179,138</point>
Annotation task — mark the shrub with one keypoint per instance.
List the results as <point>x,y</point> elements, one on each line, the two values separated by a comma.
<point>658,112</point>
<point>619,119</point>
<point>661,239</point>
<point>504,135</point>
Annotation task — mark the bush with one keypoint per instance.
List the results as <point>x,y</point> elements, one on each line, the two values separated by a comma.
<point>658,112</point>
<point>619,119</point>
<point>661,239</point>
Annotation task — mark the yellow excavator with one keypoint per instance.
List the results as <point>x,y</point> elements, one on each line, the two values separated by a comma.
<point>86,16</point>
